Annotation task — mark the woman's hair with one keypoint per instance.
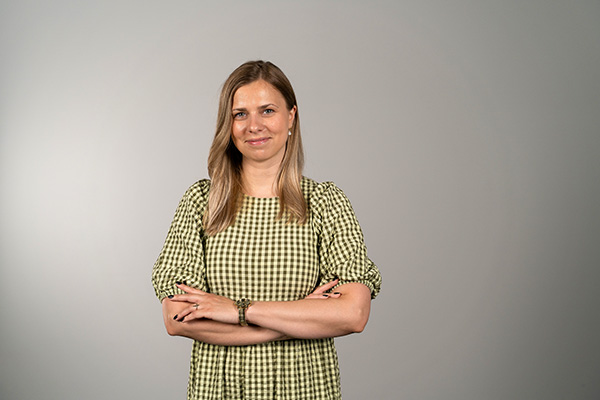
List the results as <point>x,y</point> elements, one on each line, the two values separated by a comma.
<point>225,161</point>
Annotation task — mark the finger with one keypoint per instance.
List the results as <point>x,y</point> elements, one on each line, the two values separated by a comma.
<point>181,314</point>
<point>196,315</point>
<point>189,289</point>
<point>190,298</point>
<point>318,296</point>
<point>187,313</point>
<point>326,287</point>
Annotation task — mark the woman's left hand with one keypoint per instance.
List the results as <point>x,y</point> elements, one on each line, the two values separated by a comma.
<point>205,305</point>
<point>321,292</point>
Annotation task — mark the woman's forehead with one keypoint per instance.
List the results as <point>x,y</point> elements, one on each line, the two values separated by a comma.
<point>257,92</point>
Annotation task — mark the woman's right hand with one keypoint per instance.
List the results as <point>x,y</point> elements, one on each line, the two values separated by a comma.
<point>320,292</point>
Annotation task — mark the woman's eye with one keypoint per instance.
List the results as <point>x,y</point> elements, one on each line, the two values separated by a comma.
<point>239,115</point>
<point>269,111</point>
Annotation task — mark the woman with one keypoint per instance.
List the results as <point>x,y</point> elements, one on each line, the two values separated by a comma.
<point>246,252</point>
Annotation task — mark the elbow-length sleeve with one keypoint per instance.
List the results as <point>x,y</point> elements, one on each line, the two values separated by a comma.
<point>342,251</point>
<point>182,255</point>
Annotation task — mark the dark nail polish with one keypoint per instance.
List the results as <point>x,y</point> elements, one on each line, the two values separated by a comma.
<point>336,292</point>
<point>170,296</point>
<point>175,317</point>
<point>325,295</point>
<point>179,283</point>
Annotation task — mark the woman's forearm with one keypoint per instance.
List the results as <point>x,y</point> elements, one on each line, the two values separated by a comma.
<point>215,332</point>
<point>314,319</point>
<point>219,333</point>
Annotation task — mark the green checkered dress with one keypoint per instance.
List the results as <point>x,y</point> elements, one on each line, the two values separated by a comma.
<point>265,259</point>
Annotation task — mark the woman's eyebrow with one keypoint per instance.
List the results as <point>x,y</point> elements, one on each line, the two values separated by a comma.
<point>270,105</point>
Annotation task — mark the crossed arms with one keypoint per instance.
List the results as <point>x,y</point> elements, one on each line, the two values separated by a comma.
<point>320,315</point>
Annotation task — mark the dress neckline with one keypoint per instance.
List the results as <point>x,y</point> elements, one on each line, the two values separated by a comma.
<point>247,196</point>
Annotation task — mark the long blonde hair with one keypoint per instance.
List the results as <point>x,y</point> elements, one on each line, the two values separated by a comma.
<point>225,161</point>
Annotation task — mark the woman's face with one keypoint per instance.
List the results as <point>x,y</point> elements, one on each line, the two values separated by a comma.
<point>261,122</point>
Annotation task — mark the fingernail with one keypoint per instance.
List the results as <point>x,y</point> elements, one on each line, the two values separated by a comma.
<point>175,317</point>
<point>170,296</point>
<point>336,292</point>
<point>179,283</point>
<point>325,295</point>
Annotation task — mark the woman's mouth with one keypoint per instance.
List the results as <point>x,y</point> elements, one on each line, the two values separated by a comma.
<point>257,141</point>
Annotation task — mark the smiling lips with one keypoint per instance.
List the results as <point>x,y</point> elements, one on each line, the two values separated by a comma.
<point>257,141</point>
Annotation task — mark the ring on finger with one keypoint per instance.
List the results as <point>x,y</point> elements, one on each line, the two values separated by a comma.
<point>196,306</point>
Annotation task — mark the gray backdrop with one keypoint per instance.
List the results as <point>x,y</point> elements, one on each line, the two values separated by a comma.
<point>466,134</point>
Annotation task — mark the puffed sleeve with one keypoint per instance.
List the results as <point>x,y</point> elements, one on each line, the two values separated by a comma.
<point>182,255</point>
<point>342,250</point>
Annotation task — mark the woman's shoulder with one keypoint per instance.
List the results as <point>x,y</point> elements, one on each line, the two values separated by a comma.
<point>198,191</point>
<point>321,193</point>
<point>312,188</point>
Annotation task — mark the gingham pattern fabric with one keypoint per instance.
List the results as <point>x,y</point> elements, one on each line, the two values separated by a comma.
<point>265,259</point>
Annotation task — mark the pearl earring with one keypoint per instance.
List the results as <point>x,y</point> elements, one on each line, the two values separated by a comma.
<point>289,133</point>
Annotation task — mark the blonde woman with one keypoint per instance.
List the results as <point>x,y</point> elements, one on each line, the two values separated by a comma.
<point>263,267</point>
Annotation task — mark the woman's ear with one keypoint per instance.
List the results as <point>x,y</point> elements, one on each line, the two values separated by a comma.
<point>292,117</point>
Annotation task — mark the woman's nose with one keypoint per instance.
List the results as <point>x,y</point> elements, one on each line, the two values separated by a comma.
<point>256,124</point>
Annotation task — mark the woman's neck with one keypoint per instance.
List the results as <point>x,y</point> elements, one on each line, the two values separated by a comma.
<point>259,180</point>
